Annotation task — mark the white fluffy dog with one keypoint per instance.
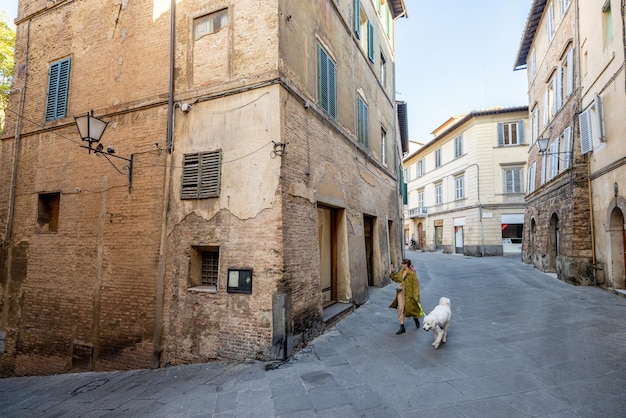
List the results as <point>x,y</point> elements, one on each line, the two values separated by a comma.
<point>438,320</point>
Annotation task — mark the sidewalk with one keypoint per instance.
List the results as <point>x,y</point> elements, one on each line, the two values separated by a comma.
<point>520,344</point>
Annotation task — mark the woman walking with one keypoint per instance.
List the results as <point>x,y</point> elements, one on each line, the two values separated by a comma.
<point>407,299</point>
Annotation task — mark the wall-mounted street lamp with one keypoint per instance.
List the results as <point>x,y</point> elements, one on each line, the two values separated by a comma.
<point>91,130</point>
<point>542,144</point>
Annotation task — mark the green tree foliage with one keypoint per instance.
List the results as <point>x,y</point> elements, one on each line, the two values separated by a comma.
<point>7,49</point>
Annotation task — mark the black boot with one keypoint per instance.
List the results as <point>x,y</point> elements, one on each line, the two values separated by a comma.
<point>417,322</point>
<point>401,330</point>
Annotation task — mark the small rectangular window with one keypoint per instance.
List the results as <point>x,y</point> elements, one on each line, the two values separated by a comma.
<point>204,267</point>
<point>419,168</point>
<point>201,175</point>
<point>458,146</point>
<point>459,188</point>
<point>58,84</point>
<point>210,23</point>
<point>511,133</point>
<point>48,212</point>
<point>438,194</point>
<point>438,157</point>
<point>512,180</point>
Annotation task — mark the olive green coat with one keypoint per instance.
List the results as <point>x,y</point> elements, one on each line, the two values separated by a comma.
<point>412,305</point>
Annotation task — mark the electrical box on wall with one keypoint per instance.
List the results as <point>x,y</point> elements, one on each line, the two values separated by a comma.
<point>239,281</point>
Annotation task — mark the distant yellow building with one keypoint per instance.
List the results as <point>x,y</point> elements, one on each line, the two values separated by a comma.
<point>466,186</point>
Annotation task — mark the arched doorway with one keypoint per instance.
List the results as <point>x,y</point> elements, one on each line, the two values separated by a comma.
<point>554,238</point>
<point>617,237</point>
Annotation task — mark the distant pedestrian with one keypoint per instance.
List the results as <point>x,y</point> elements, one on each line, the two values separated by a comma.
<point>413,243</point>
<point>407,300</point>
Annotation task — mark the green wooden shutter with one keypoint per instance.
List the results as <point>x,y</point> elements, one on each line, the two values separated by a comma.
<point>370,41</point>
<point>58,83</point>
<point>332,90</point>
<point>357,18</point>
<point>362,134</point>
<point>323,79</point>
<point>327,84</point>
<point>201,177</point>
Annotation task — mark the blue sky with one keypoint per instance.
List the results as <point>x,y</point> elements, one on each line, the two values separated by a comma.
<point>452,57</point>
<point>455,56</point>
<point>10,7</point>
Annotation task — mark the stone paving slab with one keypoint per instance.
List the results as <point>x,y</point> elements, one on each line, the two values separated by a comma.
<point>521,344</point>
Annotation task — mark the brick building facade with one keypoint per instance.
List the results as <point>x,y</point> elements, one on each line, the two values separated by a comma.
<point>573,52</point>
<point>253,187</point>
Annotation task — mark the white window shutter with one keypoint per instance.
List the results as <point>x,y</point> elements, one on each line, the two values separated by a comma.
<point>535,125</point>
<point>567,147</point>
<point>532,174</point>
<point>500,134</point>
<point>586,143</point>
<point>546,108</point>
<point>554,94</point>
<point>520,132</point>
<point>597,104</point>
<point>570,72</point>
<point>554,159</point>
<point>558,91</point>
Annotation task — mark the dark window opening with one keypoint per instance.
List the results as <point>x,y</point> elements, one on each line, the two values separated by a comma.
<point>48,212</point>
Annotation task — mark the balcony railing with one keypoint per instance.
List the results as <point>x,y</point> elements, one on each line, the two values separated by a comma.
<point>419,212</point>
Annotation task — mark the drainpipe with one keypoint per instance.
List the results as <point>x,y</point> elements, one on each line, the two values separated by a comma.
<point>16,154</point>
<point>593,239</point>
<point>167,177</point>
<point>624,34</point>
<point>170,99</point>
<point>18,135</point>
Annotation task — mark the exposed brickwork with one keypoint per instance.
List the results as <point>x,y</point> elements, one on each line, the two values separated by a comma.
<point>113,282</point>
<point>566,198</point>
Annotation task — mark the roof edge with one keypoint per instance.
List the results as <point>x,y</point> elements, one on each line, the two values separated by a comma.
<point>530,29</point>
<point>467,118</point>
